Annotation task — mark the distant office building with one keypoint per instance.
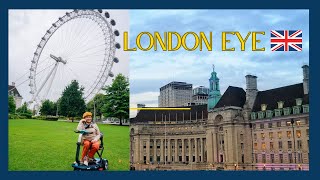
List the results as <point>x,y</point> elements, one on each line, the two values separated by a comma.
<point>12,91</point>
<point>175,94</point>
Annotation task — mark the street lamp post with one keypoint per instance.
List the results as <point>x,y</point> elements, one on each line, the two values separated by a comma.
<point>294,143</point>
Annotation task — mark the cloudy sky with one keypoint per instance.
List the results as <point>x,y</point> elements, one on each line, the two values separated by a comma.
<point>83,37</point>
<point>152,69</point>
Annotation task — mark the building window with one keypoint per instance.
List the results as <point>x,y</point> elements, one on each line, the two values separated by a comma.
<point>298,101</point>
<point>253,115</point>
<point>260,115</point>
<point>298,123</point>
<point>279,124</point>
<point>255,136</point>
<point>307,132</point>
<point>305,108</point>
<point>270,135</point>
<point>256,157</point>
<point>307,121</point>
<point>269,113</point>
<point>296,109</point>
<point>272,158</point>
<point>254,126</point>
<point>255,146</point>
<point>280,104</point>
<point>289,144</point>
<point>308,144</point>
<point>281,158</point>
<point>280,144</point>
<point>298,132</point>
<point>263,107</point>
<point>261,126</point>
<point>263,158</point>
<point>242,147</point>
<point>287,111</point>
<point>262,135</point>
<point>280,134</point>
<point>242,158</point>
<point>299,142</point>
<point>241,137</point>
<point>269,125</point>
<point>263,146</point>
<point>278,112</point>
<point>290,158</point>
<point>289,134</point>
<point>271,145</point>
<point>299,157</point>
<point>288,123</point>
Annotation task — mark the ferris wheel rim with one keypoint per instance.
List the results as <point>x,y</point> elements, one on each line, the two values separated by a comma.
<point>108,59</point>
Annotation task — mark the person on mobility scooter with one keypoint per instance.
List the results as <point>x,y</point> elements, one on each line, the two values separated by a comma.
<point>92,141</point>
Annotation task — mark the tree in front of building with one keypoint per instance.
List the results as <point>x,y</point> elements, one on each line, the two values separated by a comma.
<point>96,104</point>
<point>11,104</point>
<point>24,109</point>
<point>117,99</point>
<point>48,108</point>
<point>72,103</point>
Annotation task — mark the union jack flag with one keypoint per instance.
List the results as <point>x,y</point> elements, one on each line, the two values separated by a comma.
<point>286,40</point>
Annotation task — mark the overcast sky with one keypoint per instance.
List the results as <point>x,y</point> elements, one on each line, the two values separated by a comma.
<point>27,27</point>
<point>152,69</point>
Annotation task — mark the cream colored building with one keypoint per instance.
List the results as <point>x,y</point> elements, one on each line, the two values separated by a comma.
<point>246,130</point>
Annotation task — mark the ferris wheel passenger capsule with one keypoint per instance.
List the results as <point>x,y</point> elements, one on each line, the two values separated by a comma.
<point>113,22</point>
<point>107,15</point>
<point>117,45</point>
<point>116,32</point>
<point>116,60</point>
<point>111,74</point>
<point>100,10</point>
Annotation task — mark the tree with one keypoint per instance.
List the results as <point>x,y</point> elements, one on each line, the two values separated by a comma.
<point>72,103</point>
<point>11,104</point>
<point>117,99</point>
<point>48,108</point>
<point>98,101</point>
<point>24,109</point>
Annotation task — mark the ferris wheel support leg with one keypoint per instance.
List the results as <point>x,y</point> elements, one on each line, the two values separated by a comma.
<point>48,76</point>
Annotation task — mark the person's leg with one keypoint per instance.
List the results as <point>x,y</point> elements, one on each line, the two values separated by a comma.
<point>86,146</point>
<point>94,148</point>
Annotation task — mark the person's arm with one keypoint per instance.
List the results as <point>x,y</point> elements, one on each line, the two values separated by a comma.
<point>98,134</point>
<point>80,125</point>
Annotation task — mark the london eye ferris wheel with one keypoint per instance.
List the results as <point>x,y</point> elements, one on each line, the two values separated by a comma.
<point>78,46</point>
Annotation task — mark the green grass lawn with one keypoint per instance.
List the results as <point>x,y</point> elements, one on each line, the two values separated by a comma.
<point>51,145</point>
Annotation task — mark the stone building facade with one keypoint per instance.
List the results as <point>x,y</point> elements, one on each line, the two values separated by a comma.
<point>246,130</point>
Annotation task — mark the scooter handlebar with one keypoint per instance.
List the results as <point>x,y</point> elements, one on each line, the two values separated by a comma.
<point>83,132</point>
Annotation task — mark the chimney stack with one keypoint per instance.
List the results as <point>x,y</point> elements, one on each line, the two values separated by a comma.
<point>251,90</point>
<point>305,79</point>
<point>140,106</point>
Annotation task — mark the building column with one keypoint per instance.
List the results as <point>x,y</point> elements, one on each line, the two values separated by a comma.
<point>176,158</point>
<point>155,151</point>
<point>148,151</point>
<point>201,149</point>
<point>210,147</point>
<point>196,154</point>
<point>141,151</point>
<point>169,150</point>
<point>161,151</point>
<point>136,149</point>
<point>183,151</point>
<point>215,148</point>
<point>190,151</point>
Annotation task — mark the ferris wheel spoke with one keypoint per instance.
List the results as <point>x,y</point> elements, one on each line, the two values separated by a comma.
<point>85,30</point>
